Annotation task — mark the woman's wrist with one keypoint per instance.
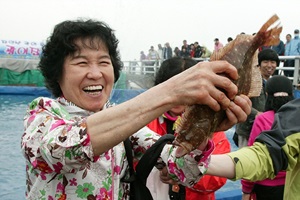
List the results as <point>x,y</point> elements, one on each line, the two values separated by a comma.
<point>210,146</point>
<point>204,159</point>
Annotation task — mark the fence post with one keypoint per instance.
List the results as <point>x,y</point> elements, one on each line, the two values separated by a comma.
<point>296,71</point>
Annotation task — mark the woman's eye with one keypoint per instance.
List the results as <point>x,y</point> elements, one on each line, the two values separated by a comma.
<point>82,63</point>
<point>105,63</point>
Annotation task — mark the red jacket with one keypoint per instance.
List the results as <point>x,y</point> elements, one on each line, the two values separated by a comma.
<point>206,187</point>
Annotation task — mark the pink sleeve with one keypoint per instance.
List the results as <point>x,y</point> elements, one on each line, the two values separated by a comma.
<point>257,128</point>
<point>247,186</point>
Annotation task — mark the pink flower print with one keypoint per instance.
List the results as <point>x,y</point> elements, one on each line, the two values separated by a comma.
<point>107,155</point>
<point>59,188</point>
<point>73,182</point>
<point>42,175</point>
<point>104,194</point>
<point>42,166</point>
<point>30,119</point>
<point>50,198</point>
<point>57,167</point>
<point>178,172</point>
<point>57,123</point>
<point>86,142</point>
<point>117,169</point>
<point>48,103</point>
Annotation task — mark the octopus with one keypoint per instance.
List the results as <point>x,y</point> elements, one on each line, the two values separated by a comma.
<point>199,122</point>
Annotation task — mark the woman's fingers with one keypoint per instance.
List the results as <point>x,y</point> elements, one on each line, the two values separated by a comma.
<point>165,178</point>
<point>207,83</point>
<point>237,112</point>
<point>223,67</point>
<point>220,87</point>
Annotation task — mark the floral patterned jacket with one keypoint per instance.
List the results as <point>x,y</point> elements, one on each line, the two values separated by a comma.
<point>60,163</point>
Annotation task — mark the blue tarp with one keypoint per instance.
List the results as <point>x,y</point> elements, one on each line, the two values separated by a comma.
<point>117,96</point>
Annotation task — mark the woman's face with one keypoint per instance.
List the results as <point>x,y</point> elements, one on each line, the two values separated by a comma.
<point>88,77</point>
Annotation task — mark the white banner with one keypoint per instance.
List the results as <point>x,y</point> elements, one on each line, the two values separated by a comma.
<point>20,49</point>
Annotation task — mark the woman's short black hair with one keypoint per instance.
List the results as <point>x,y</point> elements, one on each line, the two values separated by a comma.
<point>172,67</point>
<point>62,44</point>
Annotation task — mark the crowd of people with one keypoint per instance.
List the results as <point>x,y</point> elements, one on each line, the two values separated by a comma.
<point>193,50</point>
<point>289,48</point>
<point>73,143</point>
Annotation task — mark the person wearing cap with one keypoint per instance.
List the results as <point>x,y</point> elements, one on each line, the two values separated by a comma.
<point>268,60</point>
<point>293,50</point>
<point>279,91</point>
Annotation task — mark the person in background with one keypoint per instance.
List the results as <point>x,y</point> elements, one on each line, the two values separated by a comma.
<point>152,56</point>
<point>279,91</point>
<point>229,39</point>
<point>143,59</point>
<point>206,53</point>
<point>279,48</point>
<point>177,52</point>
<point>167,51</point>
<point>73,143</point>
<point>287,44</point>
<point>192,50</point>
<point>218,44</point>
<point>287,63</point>
<point>160,51</point>
<point>268,60</point>
<point>184,53</point>
<point>293,50</point>
<point>186,46</point>
<point>198,50</point>
<point>142,56</point>
<point>166,124</point>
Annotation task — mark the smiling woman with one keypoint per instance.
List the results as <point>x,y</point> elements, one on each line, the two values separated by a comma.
<point>73,143</point>
<point>87,76</point>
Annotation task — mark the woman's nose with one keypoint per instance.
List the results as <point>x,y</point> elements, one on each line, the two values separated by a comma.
<point>94,72</point>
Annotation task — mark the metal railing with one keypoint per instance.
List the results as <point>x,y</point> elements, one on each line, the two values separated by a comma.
<point>151,66</point>
<point>281,69</point>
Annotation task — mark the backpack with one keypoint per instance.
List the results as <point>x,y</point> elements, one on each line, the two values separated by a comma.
<point>138,177</point>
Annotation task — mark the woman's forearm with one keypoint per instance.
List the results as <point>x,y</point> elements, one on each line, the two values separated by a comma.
<point>109,127</point>
<point>221,165</point>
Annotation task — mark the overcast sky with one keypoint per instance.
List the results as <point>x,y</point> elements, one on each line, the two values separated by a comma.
<point>142,23</point>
